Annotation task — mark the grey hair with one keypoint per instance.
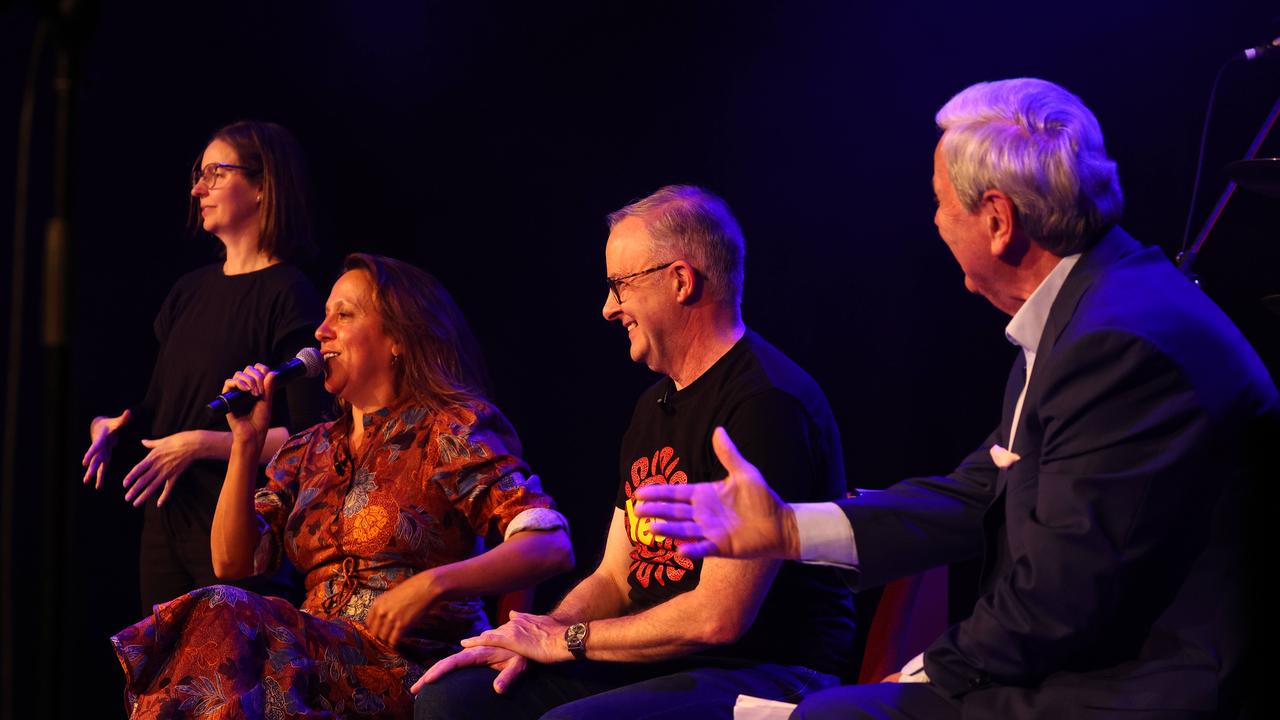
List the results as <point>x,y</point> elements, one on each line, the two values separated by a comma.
<point>1040,145</point>
<point>695,225</point>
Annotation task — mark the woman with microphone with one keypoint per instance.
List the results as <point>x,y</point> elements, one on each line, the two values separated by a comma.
<point>382,509</point>
<point>247,190</point>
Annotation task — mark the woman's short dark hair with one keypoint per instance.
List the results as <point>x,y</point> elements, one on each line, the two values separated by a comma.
<point>275,160</point>
<point>440,363</point>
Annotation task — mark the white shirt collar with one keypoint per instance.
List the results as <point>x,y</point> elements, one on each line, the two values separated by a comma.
<point>1027,325</point>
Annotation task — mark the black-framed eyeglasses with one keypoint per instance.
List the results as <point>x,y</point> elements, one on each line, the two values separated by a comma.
<point>616,282</point>
<point>210,174</point>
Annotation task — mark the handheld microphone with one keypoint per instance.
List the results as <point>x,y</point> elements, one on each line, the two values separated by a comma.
<point>308,363</point>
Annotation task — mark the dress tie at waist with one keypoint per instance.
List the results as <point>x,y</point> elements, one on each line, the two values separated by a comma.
<point>353,576</point>
<point>345,582</point>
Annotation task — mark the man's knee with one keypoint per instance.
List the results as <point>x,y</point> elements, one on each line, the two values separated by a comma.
<point>832,703</point>
<point>460,694</point>
<point>881,701</point>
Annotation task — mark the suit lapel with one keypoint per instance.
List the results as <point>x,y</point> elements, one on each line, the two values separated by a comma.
<point>1113,247</point>
<point>1012,388</point>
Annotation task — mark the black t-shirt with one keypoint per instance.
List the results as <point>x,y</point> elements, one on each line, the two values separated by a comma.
<point>210,326</point>
<point>780,420</point>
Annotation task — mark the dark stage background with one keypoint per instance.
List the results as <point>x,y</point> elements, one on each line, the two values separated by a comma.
<point>485,141</point>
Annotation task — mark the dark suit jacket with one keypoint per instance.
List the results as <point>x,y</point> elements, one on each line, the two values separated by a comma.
<point>1112,549</point>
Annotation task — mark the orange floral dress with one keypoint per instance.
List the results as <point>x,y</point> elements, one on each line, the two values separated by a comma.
<point>424,490</point>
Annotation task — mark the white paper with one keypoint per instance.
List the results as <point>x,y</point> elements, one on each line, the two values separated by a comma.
<point>754,708</point>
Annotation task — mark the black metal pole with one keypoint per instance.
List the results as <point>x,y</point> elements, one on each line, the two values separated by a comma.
<point>1188,258</point>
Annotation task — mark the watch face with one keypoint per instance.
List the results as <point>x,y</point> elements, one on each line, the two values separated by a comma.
<point>576,632</point>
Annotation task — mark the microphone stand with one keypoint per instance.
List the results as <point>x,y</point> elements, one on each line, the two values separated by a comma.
<point>1187,258</point>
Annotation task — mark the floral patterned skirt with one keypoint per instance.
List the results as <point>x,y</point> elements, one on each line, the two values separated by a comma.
<point>222,652</point>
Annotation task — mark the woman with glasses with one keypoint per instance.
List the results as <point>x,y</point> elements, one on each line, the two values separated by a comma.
<point>382,509</point>
<point>248,191</point>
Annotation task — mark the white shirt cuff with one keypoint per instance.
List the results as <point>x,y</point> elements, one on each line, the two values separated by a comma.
<point>536,519</point>
<point>826,537</point>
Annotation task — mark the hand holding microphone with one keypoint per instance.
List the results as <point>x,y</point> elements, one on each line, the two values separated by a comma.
<point>254,386</point>
<point>236,398</point>
<point>246,397</point>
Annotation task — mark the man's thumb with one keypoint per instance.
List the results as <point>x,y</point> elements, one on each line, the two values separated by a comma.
<point>727,452</point>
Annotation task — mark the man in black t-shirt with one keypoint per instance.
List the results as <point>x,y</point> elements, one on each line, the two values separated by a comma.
<point>652,630</point>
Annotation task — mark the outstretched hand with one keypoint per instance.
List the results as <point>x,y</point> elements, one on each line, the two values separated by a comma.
<point>738,517</point>
<point>103,435</point>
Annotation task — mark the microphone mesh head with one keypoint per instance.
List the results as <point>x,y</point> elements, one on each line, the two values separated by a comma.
<point>313,360</point>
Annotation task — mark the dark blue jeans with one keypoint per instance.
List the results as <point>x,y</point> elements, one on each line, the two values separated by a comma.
<point>881,701</point>
<point>616,691</point>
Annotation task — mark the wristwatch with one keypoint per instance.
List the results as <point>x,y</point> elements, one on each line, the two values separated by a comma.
<point>575,637</point>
